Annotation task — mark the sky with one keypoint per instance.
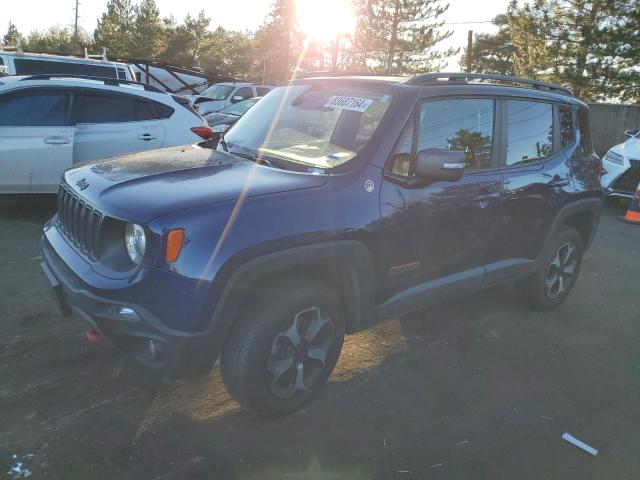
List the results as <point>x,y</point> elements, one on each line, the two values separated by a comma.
<point>231,14</point>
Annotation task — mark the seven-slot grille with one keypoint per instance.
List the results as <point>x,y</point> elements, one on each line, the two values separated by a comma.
<point>79,222</point>
<point>628,181</point>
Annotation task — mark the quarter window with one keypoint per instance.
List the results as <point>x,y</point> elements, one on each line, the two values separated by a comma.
<point>37,109</point>
<point>529,131</point>
<point>567,128</point>
<point>401,155</point>
<point>585,131</point>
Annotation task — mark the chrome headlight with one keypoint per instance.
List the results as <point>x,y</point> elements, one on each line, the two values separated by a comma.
<point>614,157</point>
<point>135,242</point>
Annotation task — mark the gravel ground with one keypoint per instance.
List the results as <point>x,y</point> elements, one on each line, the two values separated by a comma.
<point>480,389</point>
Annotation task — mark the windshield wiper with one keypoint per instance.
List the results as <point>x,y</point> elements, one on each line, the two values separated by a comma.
<point>254,158</point>
<point>223,143</point>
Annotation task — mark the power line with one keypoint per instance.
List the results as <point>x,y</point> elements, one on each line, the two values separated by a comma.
<point>467,23</point>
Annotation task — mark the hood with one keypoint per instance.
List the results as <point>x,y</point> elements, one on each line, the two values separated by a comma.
<point>144,185</point>
<point>207,105</point>
<point>630,148</point>
<point>221,119</point>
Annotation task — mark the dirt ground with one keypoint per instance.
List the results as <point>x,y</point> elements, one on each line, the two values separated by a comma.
<point>480,389</point>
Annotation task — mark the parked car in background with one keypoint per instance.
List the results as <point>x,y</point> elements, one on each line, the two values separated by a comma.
<point>222,120</point>
<point>622,167</point>
<point>48,123</point>
<point>18,63</point>
<point>332,204</point>
<point>221,95</point>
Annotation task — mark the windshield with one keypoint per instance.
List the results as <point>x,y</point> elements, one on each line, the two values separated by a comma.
<point>239,108</point>
<point>217,92</point>
<point>318,125</point>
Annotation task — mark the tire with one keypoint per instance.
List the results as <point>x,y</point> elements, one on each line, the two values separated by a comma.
<point>260,362</point>
<point>559,267</point>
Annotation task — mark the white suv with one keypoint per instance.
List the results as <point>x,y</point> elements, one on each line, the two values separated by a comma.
<point>221,95</point>
<point>49,122</point>
<point>622,167</point>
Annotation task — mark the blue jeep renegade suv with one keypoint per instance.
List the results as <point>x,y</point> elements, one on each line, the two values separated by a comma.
<point>334,203</point>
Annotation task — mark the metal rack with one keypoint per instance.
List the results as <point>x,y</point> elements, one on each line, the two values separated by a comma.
<point>466,78</point>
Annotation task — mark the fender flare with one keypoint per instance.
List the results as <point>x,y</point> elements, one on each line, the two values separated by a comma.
<point>351,258</point>
<point>585,205</point>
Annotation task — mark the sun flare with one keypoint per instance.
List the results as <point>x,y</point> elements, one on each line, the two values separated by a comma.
<point>325,20</point>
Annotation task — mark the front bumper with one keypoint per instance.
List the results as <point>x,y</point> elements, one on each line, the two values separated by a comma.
<point>127,326</point>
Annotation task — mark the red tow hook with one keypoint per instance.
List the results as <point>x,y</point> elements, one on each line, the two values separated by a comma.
<point>93,336</point>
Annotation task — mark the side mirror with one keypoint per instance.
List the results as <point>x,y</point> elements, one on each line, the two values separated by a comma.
<point>631,133</point>
<point>237,98</point>
<point>440,164</point>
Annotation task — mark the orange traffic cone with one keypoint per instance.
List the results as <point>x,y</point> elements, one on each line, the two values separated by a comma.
<point>633,213</point>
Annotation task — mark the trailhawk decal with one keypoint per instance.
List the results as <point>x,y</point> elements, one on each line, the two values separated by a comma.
<point>354,104</point>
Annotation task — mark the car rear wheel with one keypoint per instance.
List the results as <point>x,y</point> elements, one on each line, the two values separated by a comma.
<point>284,347</point>
<point>559,267</point>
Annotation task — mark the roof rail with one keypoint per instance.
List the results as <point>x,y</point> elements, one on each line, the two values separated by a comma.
<point>114,82</point>
<point>464,78</point>
<point>17,48</point>
<point>331,73</point>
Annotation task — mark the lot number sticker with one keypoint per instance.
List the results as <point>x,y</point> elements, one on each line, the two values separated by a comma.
<point>354,104</point>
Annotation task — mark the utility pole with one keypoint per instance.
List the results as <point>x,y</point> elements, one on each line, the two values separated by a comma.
<point>335,48</point>
<point>469,50</point>
<point>75,26</point>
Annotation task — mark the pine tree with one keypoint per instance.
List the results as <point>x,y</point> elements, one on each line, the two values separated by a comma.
<point>584,43</point>
<point>186,43</point>
<point>13,36</point>
<point>492,53</point>
<point>149,36</point>
<point>400,36</point>
<point>277,44</point>
<point>57,40</point>
<point>115,28</point>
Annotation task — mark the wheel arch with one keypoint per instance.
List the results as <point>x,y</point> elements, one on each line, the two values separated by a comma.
<point>345,265</point>
<point>583,215</point>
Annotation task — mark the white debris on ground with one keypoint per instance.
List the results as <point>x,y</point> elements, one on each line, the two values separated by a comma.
<point>18,469</point>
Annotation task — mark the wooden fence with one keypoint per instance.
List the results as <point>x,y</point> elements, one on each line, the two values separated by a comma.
<point>608,123</point>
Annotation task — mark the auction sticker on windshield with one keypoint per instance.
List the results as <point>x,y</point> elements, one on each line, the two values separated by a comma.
<point>354,104</point>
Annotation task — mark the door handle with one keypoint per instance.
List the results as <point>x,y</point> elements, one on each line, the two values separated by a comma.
<point>484,198</point>
<point>57,140</point>
<point>146,137</point>
<point>557,182</point>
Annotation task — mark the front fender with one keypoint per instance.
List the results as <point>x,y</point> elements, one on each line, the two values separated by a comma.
<point>236,280</point>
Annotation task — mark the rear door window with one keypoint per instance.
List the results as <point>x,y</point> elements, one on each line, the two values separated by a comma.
<point>34,108</point>
<point>262,91</point>
<point>244,92</point>
<point>529,131</point>
<point>110,108</point>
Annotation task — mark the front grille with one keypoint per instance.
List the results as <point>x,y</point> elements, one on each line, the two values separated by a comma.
<point>79,222</point>
<point>628,181</point>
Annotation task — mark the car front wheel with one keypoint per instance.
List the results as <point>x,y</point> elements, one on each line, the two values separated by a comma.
<point>284,347</point>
